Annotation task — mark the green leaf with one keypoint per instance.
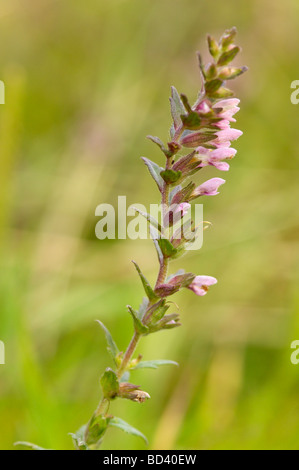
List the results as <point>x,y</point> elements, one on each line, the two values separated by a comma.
<point>166,247</point>
<point>155,171</point>
<point>222,93</point>
<point>213,85</point>
<point>186,103</point>
<point>191,121</point>
<point>149,218</point>
<point>154,364</point>
<point>29,445</point>
<point>142,308</point>
<point>138,325</point>
<point>155,236</point>
<point>159,311</point>
<point>109,383</point>
<point>171,176</point>
<point>146,285</point>
<point>78,438</point>
<point>160,144</point>
<point>112,348</point>
<point>177,107</point>
<point>121,424</point>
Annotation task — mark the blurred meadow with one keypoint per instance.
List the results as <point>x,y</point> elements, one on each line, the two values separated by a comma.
<point>85,83</point>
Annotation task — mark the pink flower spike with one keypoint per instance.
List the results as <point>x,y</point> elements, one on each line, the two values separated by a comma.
<point>201,284</point>
<point>209,188</point>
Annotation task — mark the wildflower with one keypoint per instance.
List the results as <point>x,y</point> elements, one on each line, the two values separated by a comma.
<point>229,108</point>
<point>225,136</point>
<point>200,284</point>
<point>175,213</point>
<point>209,188</point>
<point>207,157</point>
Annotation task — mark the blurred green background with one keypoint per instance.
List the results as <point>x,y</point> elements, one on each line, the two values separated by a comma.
<point>85,83</point>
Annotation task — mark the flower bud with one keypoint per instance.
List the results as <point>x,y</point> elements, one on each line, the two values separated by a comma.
<point>132,392</point>
<point>228,37</point>
<point>227,56</point>
<point>228,73</point>
<point>195,139</point>
<point>213,46</point>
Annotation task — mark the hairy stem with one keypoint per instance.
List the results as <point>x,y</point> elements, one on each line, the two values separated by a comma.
<point>128,354</point>
<point>104,403</point>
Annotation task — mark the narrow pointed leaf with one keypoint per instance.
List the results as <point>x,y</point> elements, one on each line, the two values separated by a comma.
<point>155,236</point>
<point>154,364</point>
<point>138,325</point>
<point>142,308</point>
<point>149,218</point>
<point>29,445</point>
<point>159,311</point>
<point>112,348</point>
<point>177,107</point>
<point>160,144</point>
<point>124,426</point>
<point>155,171</point>
<point>146,285</point>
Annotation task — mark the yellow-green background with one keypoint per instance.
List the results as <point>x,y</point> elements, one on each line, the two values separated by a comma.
<point>85,83</point>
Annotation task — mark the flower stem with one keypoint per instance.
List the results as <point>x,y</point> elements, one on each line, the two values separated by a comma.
<point>128,354</point>
<point>102,407</point>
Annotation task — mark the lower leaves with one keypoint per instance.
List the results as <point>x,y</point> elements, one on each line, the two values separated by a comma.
<point>89,437</point>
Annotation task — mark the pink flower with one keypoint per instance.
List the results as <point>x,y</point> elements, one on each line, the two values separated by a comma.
<point>223,124</point>
<point>226,135</point>
<point>209,188</point>
<point>222,166</point>
<point>183,208</point>
<point>176,213</point>
<point>229,108</point>
<point>227,103</point>
<point>203,107</point>
<point>214,157</point>
<point>201,284</point>
<point>222,153</point>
